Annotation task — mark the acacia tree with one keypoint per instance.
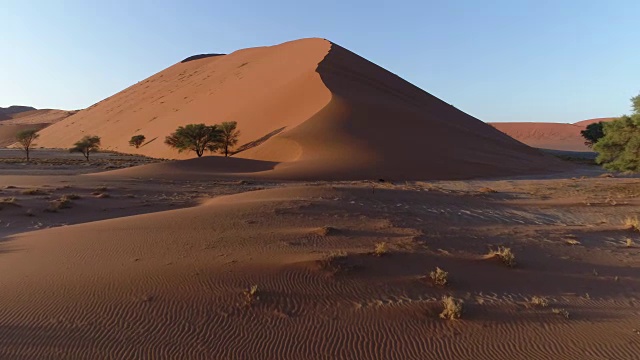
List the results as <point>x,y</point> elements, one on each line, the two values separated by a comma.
<point>592,133</point>
<point>86,146</point>
<point>228,136</point>
<point>26,140</point>
<point>619,148</point>
<point>195,137</point>
<point>137,140</point>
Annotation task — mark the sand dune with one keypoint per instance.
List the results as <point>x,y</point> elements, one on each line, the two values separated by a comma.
<point>169,285</point>
<point>554,136</point>
<point>313,107</point>
<point>11,124</point>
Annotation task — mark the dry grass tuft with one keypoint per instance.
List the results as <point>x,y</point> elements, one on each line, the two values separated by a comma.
<point>251,295</point>
<point>55,205</point>
<point>628,242</point>
<point>539,301</point>
<point>632,223</point>
<point>452,308</point>
<point>381,249</point>
<point>335,262</point>
<point>562,312</point>
<point>33,192</point>
<point>487,190</point>
<point>326,231</point>
<point>9,201</point>
<point>572,242</point>
<point>439,277</point>
<point>505,255</point>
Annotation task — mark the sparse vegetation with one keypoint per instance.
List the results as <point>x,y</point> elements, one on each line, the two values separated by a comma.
<point>195,137</point>
<point>381,249</point>
<point>439,277</point>
<point>628,242</point>
<point>137,140</point>
<point>562,312</point>
<point>86,146</point>
<point>452,308</point>
<point>251,295</point>
<point>26,139</point>
<point>505,255</point>
<point>539,301</point>
<point>71,196</point>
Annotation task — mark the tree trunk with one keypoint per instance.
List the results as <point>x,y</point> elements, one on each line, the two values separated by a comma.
<point>27,150</point>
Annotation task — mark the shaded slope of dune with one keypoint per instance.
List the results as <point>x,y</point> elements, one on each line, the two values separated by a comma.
<point>555,136</point>
<point>319,110</point>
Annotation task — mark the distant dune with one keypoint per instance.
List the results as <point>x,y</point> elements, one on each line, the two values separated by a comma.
<point>316,109</point>
<point>554,136</point>
<point>17,118</point>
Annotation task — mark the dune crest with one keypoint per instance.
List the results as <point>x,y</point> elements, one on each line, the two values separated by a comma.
<point>317,109</point>
<point>555,136</point>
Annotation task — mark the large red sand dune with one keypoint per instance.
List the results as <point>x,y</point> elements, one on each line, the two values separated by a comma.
<point>13,122</point>
<point>555,136</point>
<point>313,107</point>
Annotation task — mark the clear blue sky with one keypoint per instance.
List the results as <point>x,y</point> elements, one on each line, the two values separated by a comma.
<point>499,60</point>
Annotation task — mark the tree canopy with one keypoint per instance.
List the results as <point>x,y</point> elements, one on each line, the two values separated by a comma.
<point>26,139</point>
<point>592,133</point>
<point>228,136</point>
<point>195,137</point>
<point>619,148</point>
<point>137,140</point>
<point>86,145</point>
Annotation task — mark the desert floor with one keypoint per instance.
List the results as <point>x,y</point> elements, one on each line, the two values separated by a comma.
<point>96,266</point>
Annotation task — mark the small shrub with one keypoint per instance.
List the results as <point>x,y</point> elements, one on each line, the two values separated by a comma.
<point>539,301</point>
<point>381,249</point>
<point>439,277</point>
<point>632,223</point>
<point>452,308</point>
<point>506,255</point>
<point>71,196</point>
<point>562,312</point>
<point>251,295</point>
